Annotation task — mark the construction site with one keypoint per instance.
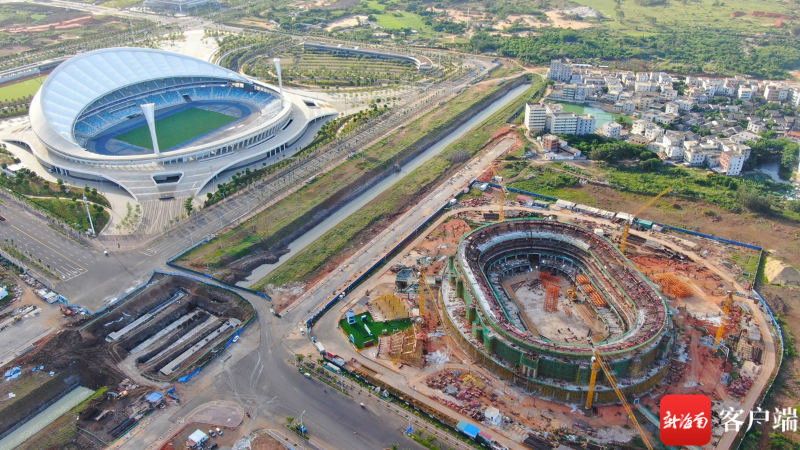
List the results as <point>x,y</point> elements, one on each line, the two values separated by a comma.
<point>106,366</point>
<point>542,322</point>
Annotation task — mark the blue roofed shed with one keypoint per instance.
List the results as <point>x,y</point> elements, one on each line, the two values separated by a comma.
<point>155,397</point>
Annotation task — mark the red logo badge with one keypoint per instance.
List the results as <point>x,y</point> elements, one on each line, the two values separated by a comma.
<point>685,420</point>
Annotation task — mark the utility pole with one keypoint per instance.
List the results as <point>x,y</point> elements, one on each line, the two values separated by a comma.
<point>91,224</point>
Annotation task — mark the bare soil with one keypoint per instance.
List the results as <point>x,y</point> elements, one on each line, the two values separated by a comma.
<point>85,358</point>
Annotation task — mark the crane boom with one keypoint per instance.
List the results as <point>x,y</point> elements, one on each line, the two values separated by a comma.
<point>726,310</point>
<point>597,362</point>
<point>628,222</point>
<point>503,194</point>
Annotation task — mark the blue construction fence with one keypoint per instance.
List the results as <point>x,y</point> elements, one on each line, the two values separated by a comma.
<point>682,230</point>
<point>186,378</point>
<point>171,263</point>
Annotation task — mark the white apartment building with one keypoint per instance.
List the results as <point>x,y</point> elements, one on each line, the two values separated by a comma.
<point>559,71</point>
<point>535,116</point>
<point>549,118</point>
<point>745,93</point>
<point>611,130</point>
<point>776,92</point>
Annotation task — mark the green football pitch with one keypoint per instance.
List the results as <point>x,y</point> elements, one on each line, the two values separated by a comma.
<point>177,128</point>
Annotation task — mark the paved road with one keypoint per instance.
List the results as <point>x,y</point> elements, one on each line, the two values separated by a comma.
<point>260,380</point>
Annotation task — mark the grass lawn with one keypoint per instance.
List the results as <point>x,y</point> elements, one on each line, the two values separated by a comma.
<point>177,128</point>
<point>699,13</point>
<point>22,89</point>
<point>383,209</point>
<point>74,212</point>
<point>364,321</point>
<point>396,20</point>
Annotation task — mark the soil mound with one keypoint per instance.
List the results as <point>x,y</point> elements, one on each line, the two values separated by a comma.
<point>781,273</point>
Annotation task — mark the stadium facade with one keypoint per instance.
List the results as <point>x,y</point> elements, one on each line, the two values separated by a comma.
<point>484,318</point>
<point>88,121</point>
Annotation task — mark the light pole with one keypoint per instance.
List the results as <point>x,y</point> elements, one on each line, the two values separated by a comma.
<point>91,224</point>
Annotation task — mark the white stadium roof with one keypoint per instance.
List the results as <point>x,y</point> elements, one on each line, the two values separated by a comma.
<point>78,82</point>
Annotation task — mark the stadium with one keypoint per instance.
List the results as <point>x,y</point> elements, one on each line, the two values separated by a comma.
<point>531,299</point>
<point>158,124</point>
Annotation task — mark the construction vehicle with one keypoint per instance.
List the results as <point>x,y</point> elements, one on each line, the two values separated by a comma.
<point>628,223</point>
<point>503,194</point>
<point>65,311</point>
<point>726,310</point>
<point>597,364</point>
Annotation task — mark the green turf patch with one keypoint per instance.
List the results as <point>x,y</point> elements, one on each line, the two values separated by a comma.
<point>20,90</point>
<point>177,128</point>
<point>364,321</point>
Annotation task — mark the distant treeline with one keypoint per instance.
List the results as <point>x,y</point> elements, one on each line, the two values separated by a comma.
<point>687,51</point>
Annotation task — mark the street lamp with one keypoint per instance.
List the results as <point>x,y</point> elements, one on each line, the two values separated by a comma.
<point>91,224</point>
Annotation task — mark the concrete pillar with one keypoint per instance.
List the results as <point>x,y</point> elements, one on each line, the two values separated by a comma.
<point>149,111</point>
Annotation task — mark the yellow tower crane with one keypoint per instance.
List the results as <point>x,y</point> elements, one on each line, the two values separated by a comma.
<point>598,363</point>
<point>726,310</point>
<point>423,284</point>
<point>628,222</point>
<point>503,194</point>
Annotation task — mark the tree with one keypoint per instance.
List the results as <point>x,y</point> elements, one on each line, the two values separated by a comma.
<point>188,205</point>
<point>754,201</point>
<point>790,155</point>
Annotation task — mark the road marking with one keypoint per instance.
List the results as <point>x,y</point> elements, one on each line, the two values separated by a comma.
<point>51,248</point>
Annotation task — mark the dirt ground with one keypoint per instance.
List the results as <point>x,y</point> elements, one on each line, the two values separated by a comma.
<point>228,438</point>
<point>695,367</point>
<point>87,358</point>
<point>265,442</point>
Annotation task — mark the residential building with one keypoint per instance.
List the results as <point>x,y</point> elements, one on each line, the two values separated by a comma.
<point>694,156</point>
<point>550,118</point>
<point>586,124</point>
<point>732,162</point>
<point>611,130</point>
<point>756,126</point>
<point>550,143</point>
<point>535,116</point>
<point>672,108</point>
<point>559,71</point>
<point>776,92</point>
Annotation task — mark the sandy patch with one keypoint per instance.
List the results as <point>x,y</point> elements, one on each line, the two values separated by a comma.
<point>530,21</point>
<point>781,273</point>
<point>346,22</point>
<point>559,22</point>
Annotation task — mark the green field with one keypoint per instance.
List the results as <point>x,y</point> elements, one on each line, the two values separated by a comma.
<point>19,90</point>
<point>645,17</point>
<point>360,334</point>
<point>177,128</point>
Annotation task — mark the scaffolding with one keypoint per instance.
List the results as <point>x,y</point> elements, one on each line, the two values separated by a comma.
<point>672,287</point>
<point>402,347</point>
<point>552,291</point>
<point>388,307</point>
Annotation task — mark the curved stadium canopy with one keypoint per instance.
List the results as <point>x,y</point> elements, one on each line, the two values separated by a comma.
<point>78,82</point>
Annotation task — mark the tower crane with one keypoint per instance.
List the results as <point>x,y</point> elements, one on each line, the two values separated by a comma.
<point>423,285</point>
<point>726,310</point>
<point>597,364</point>
<point>503,194</point>
<point>628,222</point>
